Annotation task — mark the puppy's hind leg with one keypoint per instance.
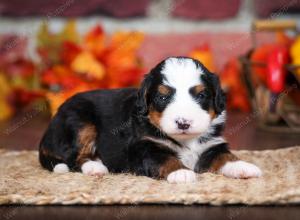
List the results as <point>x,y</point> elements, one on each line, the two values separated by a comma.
<point>51,161</point>
<point>61,168</point>
<point>86,158</point>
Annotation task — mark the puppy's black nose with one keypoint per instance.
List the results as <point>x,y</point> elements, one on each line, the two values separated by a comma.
<point>182,124</point>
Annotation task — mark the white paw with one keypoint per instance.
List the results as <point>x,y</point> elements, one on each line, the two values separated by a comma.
<point>94,168</point>
<point>240,169</point>
<point>182,176</point>
<point>61,168</point>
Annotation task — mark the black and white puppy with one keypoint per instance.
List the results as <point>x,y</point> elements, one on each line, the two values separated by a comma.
<point>169,129</point>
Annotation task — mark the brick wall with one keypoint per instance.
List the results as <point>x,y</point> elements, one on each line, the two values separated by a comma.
<point>188,9</point>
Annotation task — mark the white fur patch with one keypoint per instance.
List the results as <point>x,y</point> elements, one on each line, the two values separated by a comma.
<point>190,155</point>
<point>61,168</point>
<point>220,119</point>
<point>183,74</point>
<point>164,142</point>
<point>192,150</point>
<point>240,169</point>
<point>182,176</point>
<point>94,168</point>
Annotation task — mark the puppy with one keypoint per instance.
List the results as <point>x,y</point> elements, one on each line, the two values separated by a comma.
<point>169,129</point>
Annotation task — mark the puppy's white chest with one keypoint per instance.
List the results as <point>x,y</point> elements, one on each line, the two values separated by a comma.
<point>193,150</point>
<point>189,158</point>
<point>190,154</point>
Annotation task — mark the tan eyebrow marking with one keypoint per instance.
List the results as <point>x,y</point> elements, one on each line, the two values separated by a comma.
<point>198,88</point>
<point>165,90</point>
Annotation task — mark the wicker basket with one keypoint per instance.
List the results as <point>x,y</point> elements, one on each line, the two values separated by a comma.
<point>280,113</point>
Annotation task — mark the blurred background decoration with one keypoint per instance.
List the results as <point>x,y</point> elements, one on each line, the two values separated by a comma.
<point>68,64</point>
<point>271,76</point>
<point>19,80</point>
<point>71,64</point>
<point>51,50</point>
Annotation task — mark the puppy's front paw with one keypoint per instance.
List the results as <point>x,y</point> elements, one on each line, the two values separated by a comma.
<point>182,176</point>
<point>240,169</point>
<point>94,168</point>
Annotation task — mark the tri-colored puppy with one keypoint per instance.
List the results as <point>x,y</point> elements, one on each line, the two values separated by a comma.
<point>169,129</point>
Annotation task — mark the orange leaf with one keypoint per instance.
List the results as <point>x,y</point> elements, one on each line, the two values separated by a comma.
<point>85,62</point>
<point>204,55</point>
<point>94,41</point>
<point>69,51</point>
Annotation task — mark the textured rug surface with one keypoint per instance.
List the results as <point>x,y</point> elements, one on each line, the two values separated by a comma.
<point>22,180</point>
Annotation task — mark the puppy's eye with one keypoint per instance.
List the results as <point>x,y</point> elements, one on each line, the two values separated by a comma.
<point>201,95</point>
<point>163,97</point>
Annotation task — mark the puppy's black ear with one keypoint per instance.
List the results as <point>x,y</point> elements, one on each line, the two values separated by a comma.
<point>142,96</point>
<point>219,98</point>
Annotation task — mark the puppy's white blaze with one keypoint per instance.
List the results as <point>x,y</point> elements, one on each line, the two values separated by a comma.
<point>61,168</point>
<point>240,169</point>
<point>94,168</point>
<point>182,176</point>
<point>181,73</point>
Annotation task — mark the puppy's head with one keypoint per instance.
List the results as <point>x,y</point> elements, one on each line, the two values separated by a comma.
<point>181,97</point>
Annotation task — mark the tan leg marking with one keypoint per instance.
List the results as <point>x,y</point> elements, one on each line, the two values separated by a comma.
<point>221,160</point>
<point>86,139</point>
<point>172,164</point>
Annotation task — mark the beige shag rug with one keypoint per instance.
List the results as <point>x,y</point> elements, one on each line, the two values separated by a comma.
<point>22,180</point>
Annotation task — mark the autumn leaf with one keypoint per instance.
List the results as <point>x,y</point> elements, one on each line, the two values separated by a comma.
<point>204,55</point>
<point>5,109</point>
<point>86,63</point>
<point>69,52</point>
<point>94,41</point>
<point>57,98</point>
<point>69,33</point>
<point>126,41</point>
